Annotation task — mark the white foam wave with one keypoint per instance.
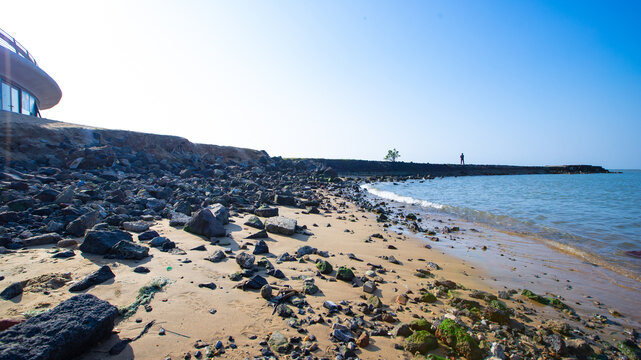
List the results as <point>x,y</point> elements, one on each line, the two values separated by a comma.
<point>399,198</point>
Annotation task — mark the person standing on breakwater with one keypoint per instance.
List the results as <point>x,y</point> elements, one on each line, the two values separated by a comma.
<point>462,159</point>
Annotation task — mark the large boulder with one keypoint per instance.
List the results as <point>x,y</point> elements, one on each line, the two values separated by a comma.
<point>99,242</point>
<point>266,212</point>
<point>98,277</point>
<point>206,224</point>
<point>62,333</point>
<point>280,225</point>
<point>220,212</point>
<point>81,224</point>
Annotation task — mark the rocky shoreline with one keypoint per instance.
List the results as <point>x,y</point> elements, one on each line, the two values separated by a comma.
<point>210,252</point>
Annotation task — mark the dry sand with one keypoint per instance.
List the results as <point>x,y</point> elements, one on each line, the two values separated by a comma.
<point>183,309</point>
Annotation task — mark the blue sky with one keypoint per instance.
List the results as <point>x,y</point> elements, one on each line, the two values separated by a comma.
<point>509,82</point>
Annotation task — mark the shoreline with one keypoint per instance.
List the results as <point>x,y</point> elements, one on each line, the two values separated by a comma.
<point>550,259</point>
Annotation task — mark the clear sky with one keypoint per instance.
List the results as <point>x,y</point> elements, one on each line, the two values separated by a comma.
<point>508,82</point>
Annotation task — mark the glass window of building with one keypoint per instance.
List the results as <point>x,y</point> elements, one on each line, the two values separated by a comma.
<point>15,100</point>
<point>6,96</point>
<point>28,104</point>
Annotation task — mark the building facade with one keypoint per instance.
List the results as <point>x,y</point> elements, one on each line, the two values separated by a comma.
<point>24,87</point>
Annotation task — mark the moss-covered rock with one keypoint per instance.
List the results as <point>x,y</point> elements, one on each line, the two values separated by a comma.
<point>324,267</point>
<point>344,273</point>
<point>458,339</point>
<point>421,324</point>
<point>278,343</point>
<point>420,342</point>
<point>310,288</point>
<point>427,297</point>
<point>558,304</point>
<point>434,357</point>
<point>629,349</point>
<point>534,297</point>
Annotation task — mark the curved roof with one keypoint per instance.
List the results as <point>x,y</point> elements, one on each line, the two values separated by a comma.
<point>19,67</point>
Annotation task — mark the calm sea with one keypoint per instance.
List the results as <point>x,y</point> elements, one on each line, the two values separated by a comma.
<point>597,216</point>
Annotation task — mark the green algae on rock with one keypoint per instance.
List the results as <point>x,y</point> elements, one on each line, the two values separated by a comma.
<point>420,342</point>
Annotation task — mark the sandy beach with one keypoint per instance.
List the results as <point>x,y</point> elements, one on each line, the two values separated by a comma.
<point>191,315</point>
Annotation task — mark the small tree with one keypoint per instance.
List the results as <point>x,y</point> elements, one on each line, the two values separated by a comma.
<point>392,155</point>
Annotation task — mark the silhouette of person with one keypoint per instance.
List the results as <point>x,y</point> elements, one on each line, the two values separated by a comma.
<point>462,159</point>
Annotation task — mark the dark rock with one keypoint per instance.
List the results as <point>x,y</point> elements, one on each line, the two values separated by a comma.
<point>280,225</point>
<point>206,224</point>
<point>141,270</point>
<point>199,248</point>
<point>101,275</point>
<point>148,235</point>
<point>12,290</point>
<point>47,195</point>
<point>261,248</point>
<point>210,285</point>
<point>556,345</point>
<point>255,282</point>
<point>79,226</point>
<point>266,292</point>
<point>266,212</point>
<point>344,273</point>
<point>20,204</point>
<point>99,242</point>
<point>285,200</point>
<point>64,332</point>
<point>245,260</point>
<point>64,254</point>
<point>44,239</point>
<point>136,226</point>
<point>126,250</point>
<point>259,235</point>
<point>305,250</point>
<point>159,241</point>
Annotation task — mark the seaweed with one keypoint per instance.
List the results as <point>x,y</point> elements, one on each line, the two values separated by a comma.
<point>144,297</point>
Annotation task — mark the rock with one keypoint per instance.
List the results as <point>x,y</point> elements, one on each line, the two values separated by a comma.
<point>47,195</point>
<point>420,342</point>
<point>284,311</point>
<point>220,212</point>
<point>66,196</point>
<point>375,301</point>
<point>216,257</point>
<point>101,275</point>
<point>556,345</point>
<point>79,226</point>
<point>402,330</point>
<point>159,241</point>
<point>261,248</point>
<point>148,235</point>
<point>141,270</point>
<point>206,224</point>
<point>210,285</point>
<point>363,340</point>
<point>266,212</point>
<point>421,324</point>
<point>245,260</point>
<point>12,291</point>
<point>7,323</point>
<point>558,326</point>
<point>427,297</point>
<point>266,292</point>
<point>126,250</point>
<point>344,273</point>
<point>64,254</point>
<point>497,312</point>
<point>199,248</point>
<point>285,200</point>
<point>259,235</point>
<point>255,282</point>
<point>369,287</point>
<point>454,336</point>
<point>67,243</point>
<point>178,219</point>
<point>305,250</point>
<point>19,205</point>
<point>629,349</point>
<point>276,273</point>
<point>67,330</point>
<point>342,334</point>
<point>254,221</point>
<point>278,343</point>
<point>497,351</point>
<point>99,242</point>
<point>280,225</point>
<point>324,267</point>
<point>44,239</point>
<point>136,226</point>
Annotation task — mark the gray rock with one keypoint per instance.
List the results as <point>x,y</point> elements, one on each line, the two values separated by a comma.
<point>259,235</point>
<point>79,226</point>
<point>178,219</point>
<point>305,250</point>
<point>245,260</point>
<point>148,235</point>
<point>101,275</point>
<point>217,256</point>
<point>266,212</point>
<point>99,242</point>
<point>220,212</point>
<point>278,343</point>
<point>266,292</point>
<point>369,287</point>
<point>64,332</point>
<point>254,221</point>
<point>280,225</point>
<point>44,239</point>
<point>64,254</point>
<point>66,196</point>
<point>136,226</point>
<point>206,224</point>
<point>285,200</point>
<point>159,241</point>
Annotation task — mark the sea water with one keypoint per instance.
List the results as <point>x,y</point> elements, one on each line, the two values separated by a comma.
<point>596,216</point>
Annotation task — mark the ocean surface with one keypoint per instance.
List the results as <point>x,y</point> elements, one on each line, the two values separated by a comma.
<point>594,216</point>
